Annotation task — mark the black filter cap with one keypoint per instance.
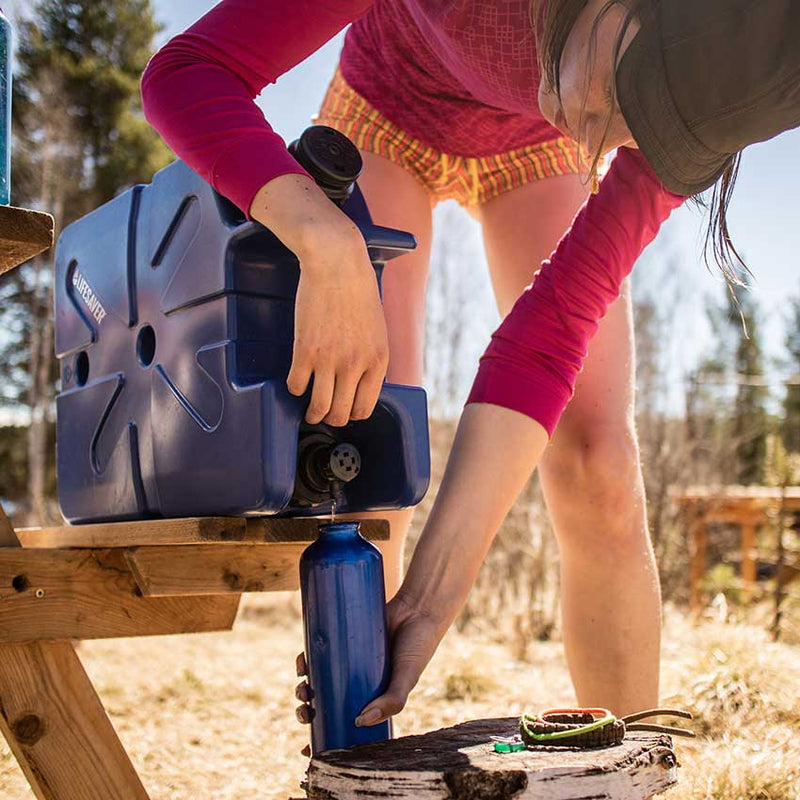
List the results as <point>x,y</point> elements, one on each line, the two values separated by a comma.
<point>330,158</point>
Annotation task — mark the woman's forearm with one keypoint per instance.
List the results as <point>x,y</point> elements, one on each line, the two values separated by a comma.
<point>494,453</point>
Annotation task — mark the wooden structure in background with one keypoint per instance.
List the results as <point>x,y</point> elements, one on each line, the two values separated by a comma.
<point>113,580</point>
<point>460,763</point>
<point>749,507</point>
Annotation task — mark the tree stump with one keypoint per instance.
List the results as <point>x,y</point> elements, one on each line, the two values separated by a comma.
<point>460,763</point>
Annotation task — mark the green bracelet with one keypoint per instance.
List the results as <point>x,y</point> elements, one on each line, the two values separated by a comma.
<point>549,737</point>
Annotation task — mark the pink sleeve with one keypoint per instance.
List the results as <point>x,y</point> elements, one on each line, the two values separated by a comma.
<point>537,352</point>
<point>198,89</point>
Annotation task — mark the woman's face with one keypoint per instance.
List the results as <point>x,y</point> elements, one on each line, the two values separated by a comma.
<point>587,76</point>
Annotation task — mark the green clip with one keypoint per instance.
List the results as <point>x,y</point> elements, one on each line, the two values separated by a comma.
<point>509,747</point>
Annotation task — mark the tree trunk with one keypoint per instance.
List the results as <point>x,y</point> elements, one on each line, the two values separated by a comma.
<point>40,400</point>
<point>460,763</point>
<point>40,395</point>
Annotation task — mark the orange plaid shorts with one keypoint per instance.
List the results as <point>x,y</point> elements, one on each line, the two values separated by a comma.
<point>470,181</point>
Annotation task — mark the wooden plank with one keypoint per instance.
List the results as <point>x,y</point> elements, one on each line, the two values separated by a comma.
<point>460,763</point>
<point>8,537</point>
<point>698,549</point>
<point>787,573</point>
<point>92,594</point>
<point>305,529</point>
<point>23,235</point>
<point>735,492</point>
<point>191,530</point>
<point>749,566</point>
<point>56,725</point>
<point>735,517</point>
<point>216,569</point>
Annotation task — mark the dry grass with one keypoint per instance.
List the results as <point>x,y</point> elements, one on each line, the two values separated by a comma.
<point>745,693</point>
<point>211,716</point>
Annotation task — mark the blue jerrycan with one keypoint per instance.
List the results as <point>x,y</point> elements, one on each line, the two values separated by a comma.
<point>346,637</point>
<point>174,333</point>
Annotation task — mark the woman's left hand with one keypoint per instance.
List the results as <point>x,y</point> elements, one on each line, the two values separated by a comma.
<point>414,637</point>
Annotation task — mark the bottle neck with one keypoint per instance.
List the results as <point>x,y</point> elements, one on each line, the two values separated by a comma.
<point>339,530</point>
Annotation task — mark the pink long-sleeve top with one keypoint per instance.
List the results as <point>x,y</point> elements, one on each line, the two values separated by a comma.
<point>459,75</point>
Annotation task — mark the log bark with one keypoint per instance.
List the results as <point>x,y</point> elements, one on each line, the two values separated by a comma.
<point>460,763</point>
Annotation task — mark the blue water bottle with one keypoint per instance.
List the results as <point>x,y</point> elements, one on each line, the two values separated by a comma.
<point>346,637</point>
<point>5,110</point>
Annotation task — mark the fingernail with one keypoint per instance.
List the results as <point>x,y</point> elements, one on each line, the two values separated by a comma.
<point>368,717</point>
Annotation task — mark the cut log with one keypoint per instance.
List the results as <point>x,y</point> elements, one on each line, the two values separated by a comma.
<point>460,763</point>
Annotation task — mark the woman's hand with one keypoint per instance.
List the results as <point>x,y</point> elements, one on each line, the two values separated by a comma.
<point>414,637</point>
<point>340,333</point>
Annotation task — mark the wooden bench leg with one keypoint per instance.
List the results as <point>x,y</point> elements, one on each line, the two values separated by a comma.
<point>58,729</point>
<point>56,725</point>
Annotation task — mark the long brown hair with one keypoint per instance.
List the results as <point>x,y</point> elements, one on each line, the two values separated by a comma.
<point>553,21</point>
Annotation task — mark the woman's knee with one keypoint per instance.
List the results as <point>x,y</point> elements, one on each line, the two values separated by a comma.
<point>596,474</point>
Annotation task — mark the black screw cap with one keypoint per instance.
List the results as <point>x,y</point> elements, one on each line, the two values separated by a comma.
<point>330,158</point>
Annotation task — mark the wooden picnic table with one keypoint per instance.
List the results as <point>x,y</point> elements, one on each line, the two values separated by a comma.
<point>749,507</point>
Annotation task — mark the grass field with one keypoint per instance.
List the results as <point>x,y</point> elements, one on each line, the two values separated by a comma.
<point>211,717</point>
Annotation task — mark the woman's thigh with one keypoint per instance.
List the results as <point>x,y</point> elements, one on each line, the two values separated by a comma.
<point>397,200</point>
<point>521,229</point>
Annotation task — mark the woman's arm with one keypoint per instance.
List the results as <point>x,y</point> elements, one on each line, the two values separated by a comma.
<point>198,90</point>
<point>537,352</point>
<point>494,453</point>
<point>198,93</point>
<point>524,382</point>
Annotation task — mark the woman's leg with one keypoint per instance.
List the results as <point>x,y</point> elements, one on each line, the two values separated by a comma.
<point>590,473</point>
<point>397,200</point>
